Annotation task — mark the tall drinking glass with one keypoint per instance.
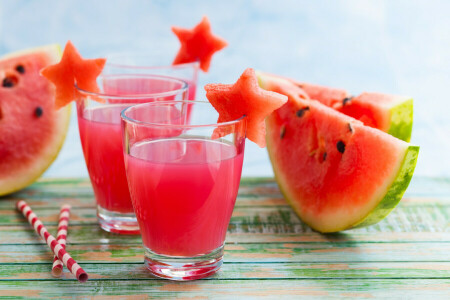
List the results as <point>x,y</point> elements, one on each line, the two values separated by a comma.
<point>155,64</point>
<point>183,181</point>
<point>101,139</point>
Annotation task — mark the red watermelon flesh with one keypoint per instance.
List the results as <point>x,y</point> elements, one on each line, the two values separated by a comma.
<point>70,70</point>
<point>32,131</point>
<point>245,97</point>
<point>281,86</point>
<point>389,113</point>
<point>326,95</point>
<point>334,171</point>
<point>198,44</point>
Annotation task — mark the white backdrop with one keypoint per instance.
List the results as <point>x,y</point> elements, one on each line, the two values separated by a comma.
<point>398,47</point>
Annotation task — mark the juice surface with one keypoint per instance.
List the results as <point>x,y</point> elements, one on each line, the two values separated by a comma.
<point>120,86</point>
<point>183,192</point>
<point>101,138</point>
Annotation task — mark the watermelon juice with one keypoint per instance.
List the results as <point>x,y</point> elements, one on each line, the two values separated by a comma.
<point>101,139</point>
<point>183,182</point>
<point>183,192</point>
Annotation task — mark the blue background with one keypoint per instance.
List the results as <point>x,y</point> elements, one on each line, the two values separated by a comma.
<point>397,47</point>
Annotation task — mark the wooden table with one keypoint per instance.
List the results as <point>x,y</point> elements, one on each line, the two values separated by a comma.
<point>269,252</point>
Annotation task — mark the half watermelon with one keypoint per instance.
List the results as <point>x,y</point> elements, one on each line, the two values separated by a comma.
<point>334,171</point>
<point>32,131</point>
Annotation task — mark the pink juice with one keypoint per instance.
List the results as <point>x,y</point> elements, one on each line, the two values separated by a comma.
<point>191,90</point>
<point>183,192</point>
<point>101,138</point>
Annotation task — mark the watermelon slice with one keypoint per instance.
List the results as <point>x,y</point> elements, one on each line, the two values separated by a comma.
<point>334,171</point>
<point>32,131</point>
<point>198,44</point>
<point>71,70</point>
<point>245,97</point>
<point>391,114</point>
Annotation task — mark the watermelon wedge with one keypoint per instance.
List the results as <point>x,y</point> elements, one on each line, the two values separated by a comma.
<point>32,131</point>
<point>335,172</point>
<point>197,44</point>
<point>389,113</point>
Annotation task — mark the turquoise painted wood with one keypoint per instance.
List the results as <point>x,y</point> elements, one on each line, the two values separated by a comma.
<point>269,252</point>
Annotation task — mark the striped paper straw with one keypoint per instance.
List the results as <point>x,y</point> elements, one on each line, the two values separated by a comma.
<point>61,238</point>
<point>57,249</point>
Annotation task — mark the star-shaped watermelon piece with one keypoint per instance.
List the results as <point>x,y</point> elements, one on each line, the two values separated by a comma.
<point>245,97</point>
<point>198,44</point>
<point>73,69</point>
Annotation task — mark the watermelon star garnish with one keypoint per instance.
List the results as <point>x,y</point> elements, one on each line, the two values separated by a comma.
<point>197,44</point>
<point>245,97</point>
<point>73,69</point>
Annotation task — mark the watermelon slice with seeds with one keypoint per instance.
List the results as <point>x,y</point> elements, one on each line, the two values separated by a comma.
<point>336,172</point>
<point>389,113</point>
<point>32,130</point>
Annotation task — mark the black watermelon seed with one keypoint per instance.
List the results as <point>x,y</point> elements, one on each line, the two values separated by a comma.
<point>345,100</point>
<point>20,69</point>
<point>340,146</point>
<point>282,131</point>
<point>8,82</point>
<point>324,156</point>
<point>350,127</point>
<point>302,111</point>
<point>38,112</point>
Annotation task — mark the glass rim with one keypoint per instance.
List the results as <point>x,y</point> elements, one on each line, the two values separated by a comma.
<point>194,64</point>
<point>184,88</point>
<point>128,119</point>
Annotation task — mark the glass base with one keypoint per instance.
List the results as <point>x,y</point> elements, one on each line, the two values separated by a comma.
<point>122,223</point>
<point>183,268</point>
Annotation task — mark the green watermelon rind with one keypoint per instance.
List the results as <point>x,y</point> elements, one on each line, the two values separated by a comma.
<point>401,121</point>
<point>396,190</point>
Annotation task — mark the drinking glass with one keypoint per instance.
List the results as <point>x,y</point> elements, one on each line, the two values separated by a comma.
<point>153,63</point>
<point>183,178</point>
<point>101,139</point>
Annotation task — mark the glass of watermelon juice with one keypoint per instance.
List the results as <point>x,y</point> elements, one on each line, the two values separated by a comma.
<point>156,64</point>
<point>184,178</point>
<point>101,139</point>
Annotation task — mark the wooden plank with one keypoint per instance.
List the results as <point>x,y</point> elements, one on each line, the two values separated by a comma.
<point>232,289</point>
<point>276,252</point>
<point>406,223</point>
<point>363,270</point>
<point>237,233</point>
<point>7,204</point>
<point>53,192</point>
<point>429,216</point>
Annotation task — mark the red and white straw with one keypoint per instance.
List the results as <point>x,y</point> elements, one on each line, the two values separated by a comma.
<point>57,249</point>
<point>61,238</point>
